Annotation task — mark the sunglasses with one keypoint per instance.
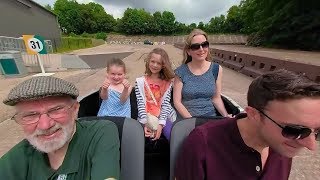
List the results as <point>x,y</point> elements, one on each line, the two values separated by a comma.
<point>197,46</point>
<point>294,131</point>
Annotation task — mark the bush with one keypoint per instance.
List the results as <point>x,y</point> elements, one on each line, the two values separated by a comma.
<point>255,39</point>
<point>72,43</point>
<point>72,34</point>
<point>87,35</point>
<point>101,35</point>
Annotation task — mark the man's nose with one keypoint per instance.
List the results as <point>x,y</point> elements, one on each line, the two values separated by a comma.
<point>45,122</point>
<point>309,142</point>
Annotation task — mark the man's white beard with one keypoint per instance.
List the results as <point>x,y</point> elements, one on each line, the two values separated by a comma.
<point>52,145</point>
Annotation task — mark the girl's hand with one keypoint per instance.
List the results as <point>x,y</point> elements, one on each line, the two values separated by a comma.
<point>230,116</point>
<point>147,132</point>
<point>126,83</point>
<point>158,132</point>
<point>106,84</point>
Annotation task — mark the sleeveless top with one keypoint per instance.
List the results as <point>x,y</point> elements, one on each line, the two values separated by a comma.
<point>198,90</point>
<point>113,107</point>
<point>158,90</point>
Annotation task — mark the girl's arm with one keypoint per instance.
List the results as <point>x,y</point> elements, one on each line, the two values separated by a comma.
<point>177,97</point>
<point>165,106</point>
<point>142,115</point>
<point>104,89</point>
<point>126,91</point>
<point>216,99</point>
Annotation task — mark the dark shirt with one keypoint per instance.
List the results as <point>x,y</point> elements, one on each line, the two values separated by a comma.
<point>93,153</point>
<point>216,150</point>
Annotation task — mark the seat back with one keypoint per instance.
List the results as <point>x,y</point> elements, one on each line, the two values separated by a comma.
<point>180,130</point>
<point>131,137</point>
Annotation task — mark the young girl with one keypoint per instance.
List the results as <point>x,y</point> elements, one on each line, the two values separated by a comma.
<point>115,91</point>
<point>153,91</point>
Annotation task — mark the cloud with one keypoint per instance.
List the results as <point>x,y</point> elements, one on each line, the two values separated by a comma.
<point>185,11</point>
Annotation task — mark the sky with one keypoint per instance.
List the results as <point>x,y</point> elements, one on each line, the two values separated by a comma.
<point>185,11</point>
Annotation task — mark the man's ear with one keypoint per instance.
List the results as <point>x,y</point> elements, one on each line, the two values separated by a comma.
<point>76,110</point>
<point>253,114</point>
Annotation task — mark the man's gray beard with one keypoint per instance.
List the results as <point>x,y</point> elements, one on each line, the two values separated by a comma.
<point>54,144</point>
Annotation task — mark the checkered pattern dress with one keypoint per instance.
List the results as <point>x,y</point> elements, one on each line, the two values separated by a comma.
<point>113,107</point>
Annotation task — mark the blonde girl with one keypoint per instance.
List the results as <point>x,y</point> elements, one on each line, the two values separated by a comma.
<point>115,91</point>
<point>153,91</point>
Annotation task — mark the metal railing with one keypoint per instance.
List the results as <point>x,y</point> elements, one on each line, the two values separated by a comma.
<point>17,44</point>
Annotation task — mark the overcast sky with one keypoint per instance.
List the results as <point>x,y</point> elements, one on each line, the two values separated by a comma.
<point>185,11</point>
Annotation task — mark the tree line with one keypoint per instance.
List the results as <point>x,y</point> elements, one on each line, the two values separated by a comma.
<point>276,23</point>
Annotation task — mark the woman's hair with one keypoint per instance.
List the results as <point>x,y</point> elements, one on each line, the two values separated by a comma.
<point>187,58</point>
<point>280,85</point>
<point>166,72</point>
<point>116,62</point>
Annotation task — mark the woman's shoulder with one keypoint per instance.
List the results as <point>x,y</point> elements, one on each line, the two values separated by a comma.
<point>181,69</point>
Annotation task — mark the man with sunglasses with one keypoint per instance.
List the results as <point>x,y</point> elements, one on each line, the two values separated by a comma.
<point>56,146</point>
<point>282,117</point>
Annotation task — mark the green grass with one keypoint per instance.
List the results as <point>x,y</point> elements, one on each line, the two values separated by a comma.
<point>74,43</point>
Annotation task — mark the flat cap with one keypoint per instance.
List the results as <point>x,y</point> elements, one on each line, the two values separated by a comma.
<point>40,87</point>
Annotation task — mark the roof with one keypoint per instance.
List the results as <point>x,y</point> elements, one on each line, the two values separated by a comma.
<point>40,6</point>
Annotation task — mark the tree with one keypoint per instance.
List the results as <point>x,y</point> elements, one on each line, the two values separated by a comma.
<point>167,22</point>
<point>181,28</point>
<point>135,21</point>
<point>96,19</point>
<point>217,24</point>
<point>285,23</point>
<point>233,22</point>
<point>191,27</point>
<point>79,18</point>
<point>48,7</point>
<point>155,23</point>
<point>69,18</point>
<point>201,25</point>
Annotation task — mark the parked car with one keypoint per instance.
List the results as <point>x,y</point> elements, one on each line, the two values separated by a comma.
<point>148,42</point>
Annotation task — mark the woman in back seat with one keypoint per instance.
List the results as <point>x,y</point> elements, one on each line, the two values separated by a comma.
<point>197,85</point>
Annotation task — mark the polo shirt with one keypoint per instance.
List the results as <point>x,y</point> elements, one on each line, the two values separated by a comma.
<point>216,150</point>
<point>93,153</point>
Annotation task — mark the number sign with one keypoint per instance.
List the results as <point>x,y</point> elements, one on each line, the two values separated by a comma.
<point>34,44</point>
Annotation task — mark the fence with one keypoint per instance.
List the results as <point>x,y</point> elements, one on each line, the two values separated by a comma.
<point>254,65</point>
<point>17,44</point>
<point>213,39</point>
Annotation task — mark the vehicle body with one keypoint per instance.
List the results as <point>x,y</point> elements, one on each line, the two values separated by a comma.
<point>147,42</point>
<point>157,155</point>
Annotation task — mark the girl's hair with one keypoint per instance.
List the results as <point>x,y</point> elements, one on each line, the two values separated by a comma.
<point>166,72</point>
<point>187,58</point>
<point>116,62</point>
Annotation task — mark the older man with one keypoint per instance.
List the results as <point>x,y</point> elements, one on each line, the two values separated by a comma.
<point>282,117</point>
<point>56,146</point>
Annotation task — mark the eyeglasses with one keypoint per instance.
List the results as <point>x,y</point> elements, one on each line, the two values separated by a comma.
<point>294,131</point>
<point>33,117</point>
<point>197,46</point>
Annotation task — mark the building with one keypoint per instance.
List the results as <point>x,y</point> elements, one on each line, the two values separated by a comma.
<point>19,17</point>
